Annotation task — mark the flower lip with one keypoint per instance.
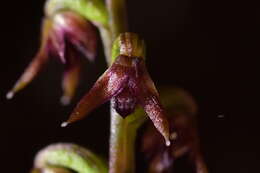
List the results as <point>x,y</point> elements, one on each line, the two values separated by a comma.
<point>125,102</point>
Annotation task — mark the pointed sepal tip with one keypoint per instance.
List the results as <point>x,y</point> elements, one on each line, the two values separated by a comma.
<point>10,95</point>
<point>64,124</point>
<point>167,143</point>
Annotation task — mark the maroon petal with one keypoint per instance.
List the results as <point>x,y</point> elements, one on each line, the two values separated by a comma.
<point>30,72</point>
<point>84,38</point>
<point>108,85</point>
<point>146,79</point>
<point>70,77</point>
<point>149,99</point>
<point>154,110</point>
<point>58,44</point>
<point>36,65</point>
<point>77,31</point>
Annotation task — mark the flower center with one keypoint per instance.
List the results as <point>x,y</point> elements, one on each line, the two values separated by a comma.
<point>125,102</point>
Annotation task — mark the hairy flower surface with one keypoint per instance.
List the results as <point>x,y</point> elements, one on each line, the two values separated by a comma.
<point>65,35</point>
<point>128,84</point>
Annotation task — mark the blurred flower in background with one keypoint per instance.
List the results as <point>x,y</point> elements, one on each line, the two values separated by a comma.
<point>181,109</point>
<point>65,35</point>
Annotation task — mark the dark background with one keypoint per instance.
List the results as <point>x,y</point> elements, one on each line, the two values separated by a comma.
<point>202,46</point>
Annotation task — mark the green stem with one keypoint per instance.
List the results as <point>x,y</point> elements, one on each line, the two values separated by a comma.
<point>107,43</point>
<point>117,16</point>
<point>122,141</point>
<point>121,148</point>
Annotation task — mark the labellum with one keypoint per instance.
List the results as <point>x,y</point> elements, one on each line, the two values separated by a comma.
<point>124,103</point>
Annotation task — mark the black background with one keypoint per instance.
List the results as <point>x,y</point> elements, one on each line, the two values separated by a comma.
<point>205,47</point>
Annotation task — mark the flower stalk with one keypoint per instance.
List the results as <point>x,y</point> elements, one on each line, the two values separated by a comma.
<point>117,16</point>
<point>122,141</point>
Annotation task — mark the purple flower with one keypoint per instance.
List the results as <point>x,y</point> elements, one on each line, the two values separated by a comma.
<point>127,83</point>
<point>65,35</point>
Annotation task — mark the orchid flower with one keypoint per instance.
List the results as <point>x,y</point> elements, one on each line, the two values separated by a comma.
<point>64,35</point>
<point>128,84</point>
